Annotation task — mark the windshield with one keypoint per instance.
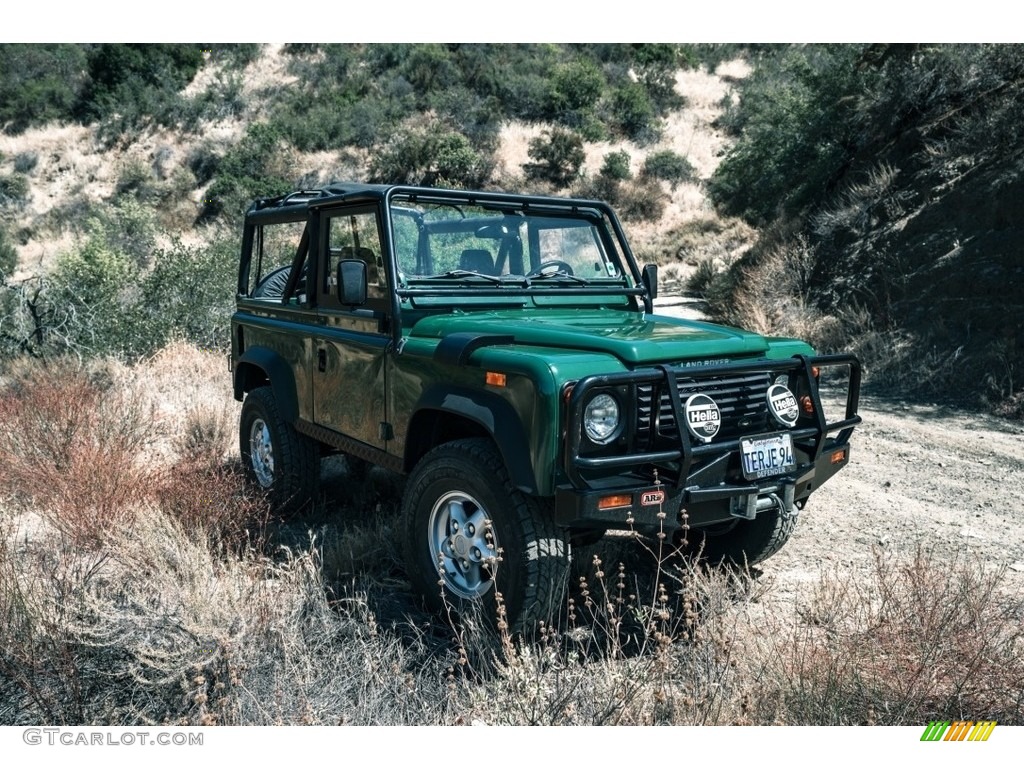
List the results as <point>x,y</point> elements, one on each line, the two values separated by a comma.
<point>502,243</point>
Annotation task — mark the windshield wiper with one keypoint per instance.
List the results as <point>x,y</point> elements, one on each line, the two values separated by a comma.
<point>457,273</point>
<point>560,273</point>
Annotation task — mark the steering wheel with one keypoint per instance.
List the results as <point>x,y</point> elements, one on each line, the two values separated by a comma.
<point>562,266</point>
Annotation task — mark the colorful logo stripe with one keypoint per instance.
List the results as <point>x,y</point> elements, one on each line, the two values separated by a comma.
<point>958,730</point>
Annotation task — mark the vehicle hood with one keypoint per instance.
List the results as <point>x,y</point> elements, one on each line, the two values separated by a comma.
<point>634,338</point>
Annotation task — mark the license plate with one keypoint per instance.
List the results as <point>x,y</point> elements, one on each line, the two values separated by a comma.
<point>766,455</point>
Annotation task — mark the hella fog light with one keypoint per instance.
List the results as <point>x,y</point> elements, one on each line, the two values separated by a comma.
<point>601,418</point>
<point>783,405</point>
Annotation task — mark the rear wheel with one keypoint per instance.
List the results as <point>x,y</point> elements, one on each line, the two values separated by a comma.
<point>275,457</point>
<point>744,542</point>
<point>470,536</point>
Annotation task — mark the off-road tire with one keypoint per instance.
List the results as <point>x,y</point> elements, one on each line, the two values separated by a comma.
<point>293,478</point>
<point>746,542</point>
<point>532,573</point>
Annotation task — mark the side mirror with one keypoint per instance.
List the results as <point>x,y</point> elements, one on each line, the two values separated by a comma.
<point>650,278</point>
<point>352,282</point>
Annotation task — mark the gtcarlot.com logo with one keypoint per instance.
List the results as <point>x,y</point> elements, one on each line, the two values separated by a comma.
<point>82,737</point>
<point>958,730</point>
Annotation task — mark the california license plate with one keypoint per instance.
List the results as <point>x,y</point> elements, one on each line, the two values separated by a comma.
<point>766,455</point>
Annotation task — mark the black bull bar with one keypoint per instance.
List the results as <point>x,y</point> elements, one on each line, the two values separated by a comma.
<point>686,452</point>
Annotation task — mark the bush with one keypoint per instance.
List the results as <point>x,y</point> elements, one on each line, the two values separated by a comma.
<point>117,294</point>
<point>40,83</point>
<point>135,80</point>
<point>798,127</point>
<point>259,165</point>
<point>655,65</point>
<point>13,190</point>
<point>574,91</point>
<point>189,294</point>
<point>668,166</point>
<point>430,156</point>
<point>633,112</point>
<point>70,446</point>
<point>558,157</point>
<point>8,256</point>
<point>26,162</point>
<point>428,67</point>
<point>136,178</point>
<point>642,200</point>
<point>616,166</point>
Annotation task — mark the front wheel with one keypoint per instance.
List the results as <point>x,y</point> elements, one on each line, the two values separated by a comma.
<point>471,536</point>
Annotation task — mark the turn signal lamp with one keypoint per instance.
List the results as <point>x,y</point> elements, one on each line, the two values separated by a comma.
<point>610,502</point>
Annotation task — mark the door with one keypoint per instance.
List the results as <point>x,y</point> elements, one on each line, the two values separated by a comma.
<point>349,383</point>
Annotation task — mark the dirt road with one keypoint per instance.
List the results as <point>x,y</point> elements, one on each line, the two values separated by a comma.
<point>934,476</point>
<point>924,475</point>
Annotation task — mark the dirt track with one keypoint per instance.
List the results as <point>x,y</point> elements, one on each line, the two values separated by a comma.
<point>919,474</point>
<point>944,478</point>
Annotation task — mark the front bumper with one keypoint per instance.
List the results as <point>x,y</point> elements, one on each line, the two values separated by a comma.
<point>651,489</point>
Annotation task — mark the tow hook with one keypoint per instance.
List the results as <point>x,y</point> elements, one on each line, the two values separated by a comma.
<point>748,507</point>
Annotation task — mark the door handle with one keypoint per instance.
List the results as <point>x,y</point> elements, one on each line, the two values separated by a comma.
<point>321,360</point>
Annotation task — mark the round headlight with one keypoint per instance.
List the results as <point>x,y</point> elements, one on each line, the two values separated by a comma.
<point>782,380</point>
<point>601,418</point>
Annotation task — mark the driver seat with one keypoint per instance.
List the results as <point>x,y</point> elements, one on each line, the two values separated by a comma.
<point>477,260</point>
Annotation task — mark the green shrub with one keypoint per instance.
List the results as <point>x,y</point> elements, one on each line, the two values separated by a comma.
<point>798,126</point>
<point>428,67</point>
<point>8,255</point>
<point>92,298</point>
<point>558,157</point>
<point>431,156</point>
<point>132,80</point>
<point>257,166</point>
<point>204,161</point>
<point>26,162</point>
<point>616,166</point>
<point>656,65</point>
<point>633,112</point>
<point>189,294</point>
<point>666,165</point>
<point>39,83</point>
<point>573,93</point>
<point>13,190</point>
<point>136,178</point>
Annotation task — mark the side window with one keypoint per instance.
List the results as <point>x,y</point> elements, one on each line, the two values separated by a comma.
<point>274,249</point>
<point>354,234</point>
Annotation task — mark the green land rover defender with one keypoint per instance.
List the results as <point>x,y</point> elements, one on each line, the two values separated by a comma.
<point>503,352</point>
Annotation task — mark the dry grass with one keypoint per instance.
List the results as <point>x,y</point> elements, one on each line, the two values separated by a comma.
<point>196,608</point>
<point>183,603</point>
<point>70,446</point>
<point>923,637</point>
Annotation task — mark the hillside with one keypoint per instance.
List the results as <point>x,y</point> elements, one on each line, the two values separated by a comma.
<point>887,184</point>
<point>131,167</point>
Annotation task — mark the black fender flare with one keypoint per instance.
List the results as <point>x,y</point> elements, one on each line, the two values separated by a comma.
<point>277,372</point>
<point>495,415</point>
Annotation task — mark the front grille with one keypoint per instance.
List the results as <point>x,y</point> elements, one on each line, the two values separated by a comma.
<point>742,400</point>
